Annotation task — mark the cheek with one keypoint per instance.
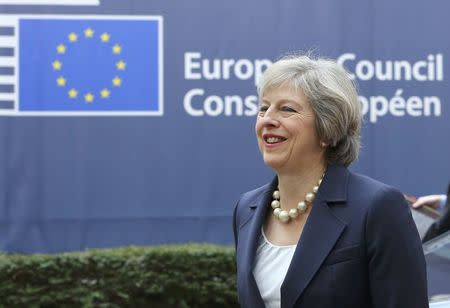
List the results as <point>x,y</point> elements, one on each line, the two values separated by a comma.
<point>258,126</point>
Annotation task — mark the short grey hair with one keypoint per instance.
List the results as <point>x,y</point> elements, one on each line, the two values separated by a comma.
<point>332,96</point>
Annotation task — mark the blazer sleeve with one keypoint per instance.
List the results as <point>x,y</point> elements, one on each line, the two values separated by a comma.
<point>396,263</point>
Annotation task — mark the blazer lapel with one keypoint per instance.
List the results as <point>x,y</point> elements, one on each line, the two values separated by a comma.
<point>251,232</point>
<point>319,235</point>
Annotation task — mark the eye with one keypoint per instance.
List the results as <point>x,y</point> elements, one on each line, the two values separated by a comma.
<point>263,108</point>
<point>288,109</point>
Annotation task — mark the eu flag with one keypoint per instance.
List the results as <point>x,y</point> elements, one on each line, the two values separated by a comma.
<point>90,65</point>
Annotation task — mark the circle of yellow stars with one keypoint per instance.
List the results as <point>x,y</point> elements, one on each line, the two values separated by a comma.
<point>57,65</point>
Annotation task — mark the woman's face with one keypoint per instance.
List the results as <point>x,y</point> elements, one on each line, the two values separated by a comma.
<point>286,132</point>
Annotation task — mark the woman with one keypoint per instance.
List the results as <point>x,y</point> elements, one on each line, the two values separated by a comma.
<point>320,235</point>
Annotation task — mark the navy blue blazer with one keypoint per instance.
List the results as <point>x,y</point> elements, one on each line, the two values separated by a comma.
<point>359,247</point>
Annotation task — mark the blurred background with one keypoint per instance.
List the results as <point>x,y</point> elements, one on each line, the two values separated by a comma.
<point>132,122</point>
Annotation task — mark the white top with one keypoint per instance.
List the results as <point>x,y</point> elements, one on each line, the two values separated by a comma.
<point>271,265</point>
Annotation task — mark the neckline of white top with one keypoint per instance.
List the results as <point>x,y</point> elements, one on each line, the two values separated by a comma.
<point>273,245</point>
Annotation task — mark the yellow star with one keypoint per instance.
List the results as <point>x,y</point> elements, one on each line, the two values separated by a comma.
<point>121,65</point>
<point>73,37</point>
<point>89,33</point>
<point>105,93</point>
<point>117,49</point>
<point>105,37</point>
<point>61,81</point>
<point>61,49</point>
<point>56,65</point>
<point>89,98</point>
<point>117,81</point>
<point>73,93</point>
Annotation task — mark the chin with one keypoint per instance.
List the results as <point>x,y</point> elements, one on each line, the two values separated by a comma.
<point>273,163</point>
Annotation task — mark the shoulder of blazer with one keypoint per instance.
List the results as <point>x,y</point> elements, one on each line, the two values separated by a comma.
<point>368,188</point>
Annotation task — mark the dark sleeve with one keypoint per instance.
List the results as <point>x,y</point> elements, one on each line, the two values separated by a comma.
<point>441,225</point>
<point>396,263</point>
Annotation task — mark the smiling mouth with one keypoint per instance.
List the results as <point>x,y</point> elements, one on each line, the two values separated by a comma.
<point>273,139</point>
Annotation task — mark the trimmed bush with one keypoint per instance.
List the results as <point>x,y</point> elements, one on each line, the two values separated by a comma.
<point>191,275</point>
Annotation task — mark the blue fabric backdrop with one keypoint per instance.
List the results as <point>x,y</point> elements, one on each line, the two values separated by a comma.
<point>164,157</point>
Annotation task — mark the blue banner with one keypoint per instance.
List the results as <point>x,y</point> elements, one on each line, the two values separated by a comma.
<point>115,132</point>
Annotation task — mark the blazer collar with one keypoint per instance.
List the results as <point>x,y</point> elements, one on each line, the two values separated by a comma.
<point>258,210</point>
<point>319,235</point>
<point>334,184</point>
<point>333,187</point>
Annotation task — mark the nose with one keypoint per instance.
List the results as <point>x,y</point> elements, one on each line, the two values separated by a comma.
<point>270,118</point>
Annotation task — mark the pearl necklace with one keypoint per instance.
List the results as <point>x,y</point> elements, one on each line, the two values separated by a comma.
<point>285,216</point>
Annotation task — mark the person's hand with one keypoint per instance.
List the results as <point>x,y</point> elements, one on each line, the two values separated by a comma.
<point>430,200</point>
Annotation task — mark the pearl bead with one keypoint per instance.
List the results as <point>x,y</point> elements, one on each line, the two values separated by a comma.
<point>276,212</point>
<point>309,197</point>
<point>284,216</point>
<point>275,204</point>
<point>276,194</point>
<point>293,213</point>
<point>302,207</point>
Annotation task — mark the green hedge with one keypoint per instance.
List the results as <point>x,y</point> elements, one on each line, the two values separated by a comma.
<point>162,276</point>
